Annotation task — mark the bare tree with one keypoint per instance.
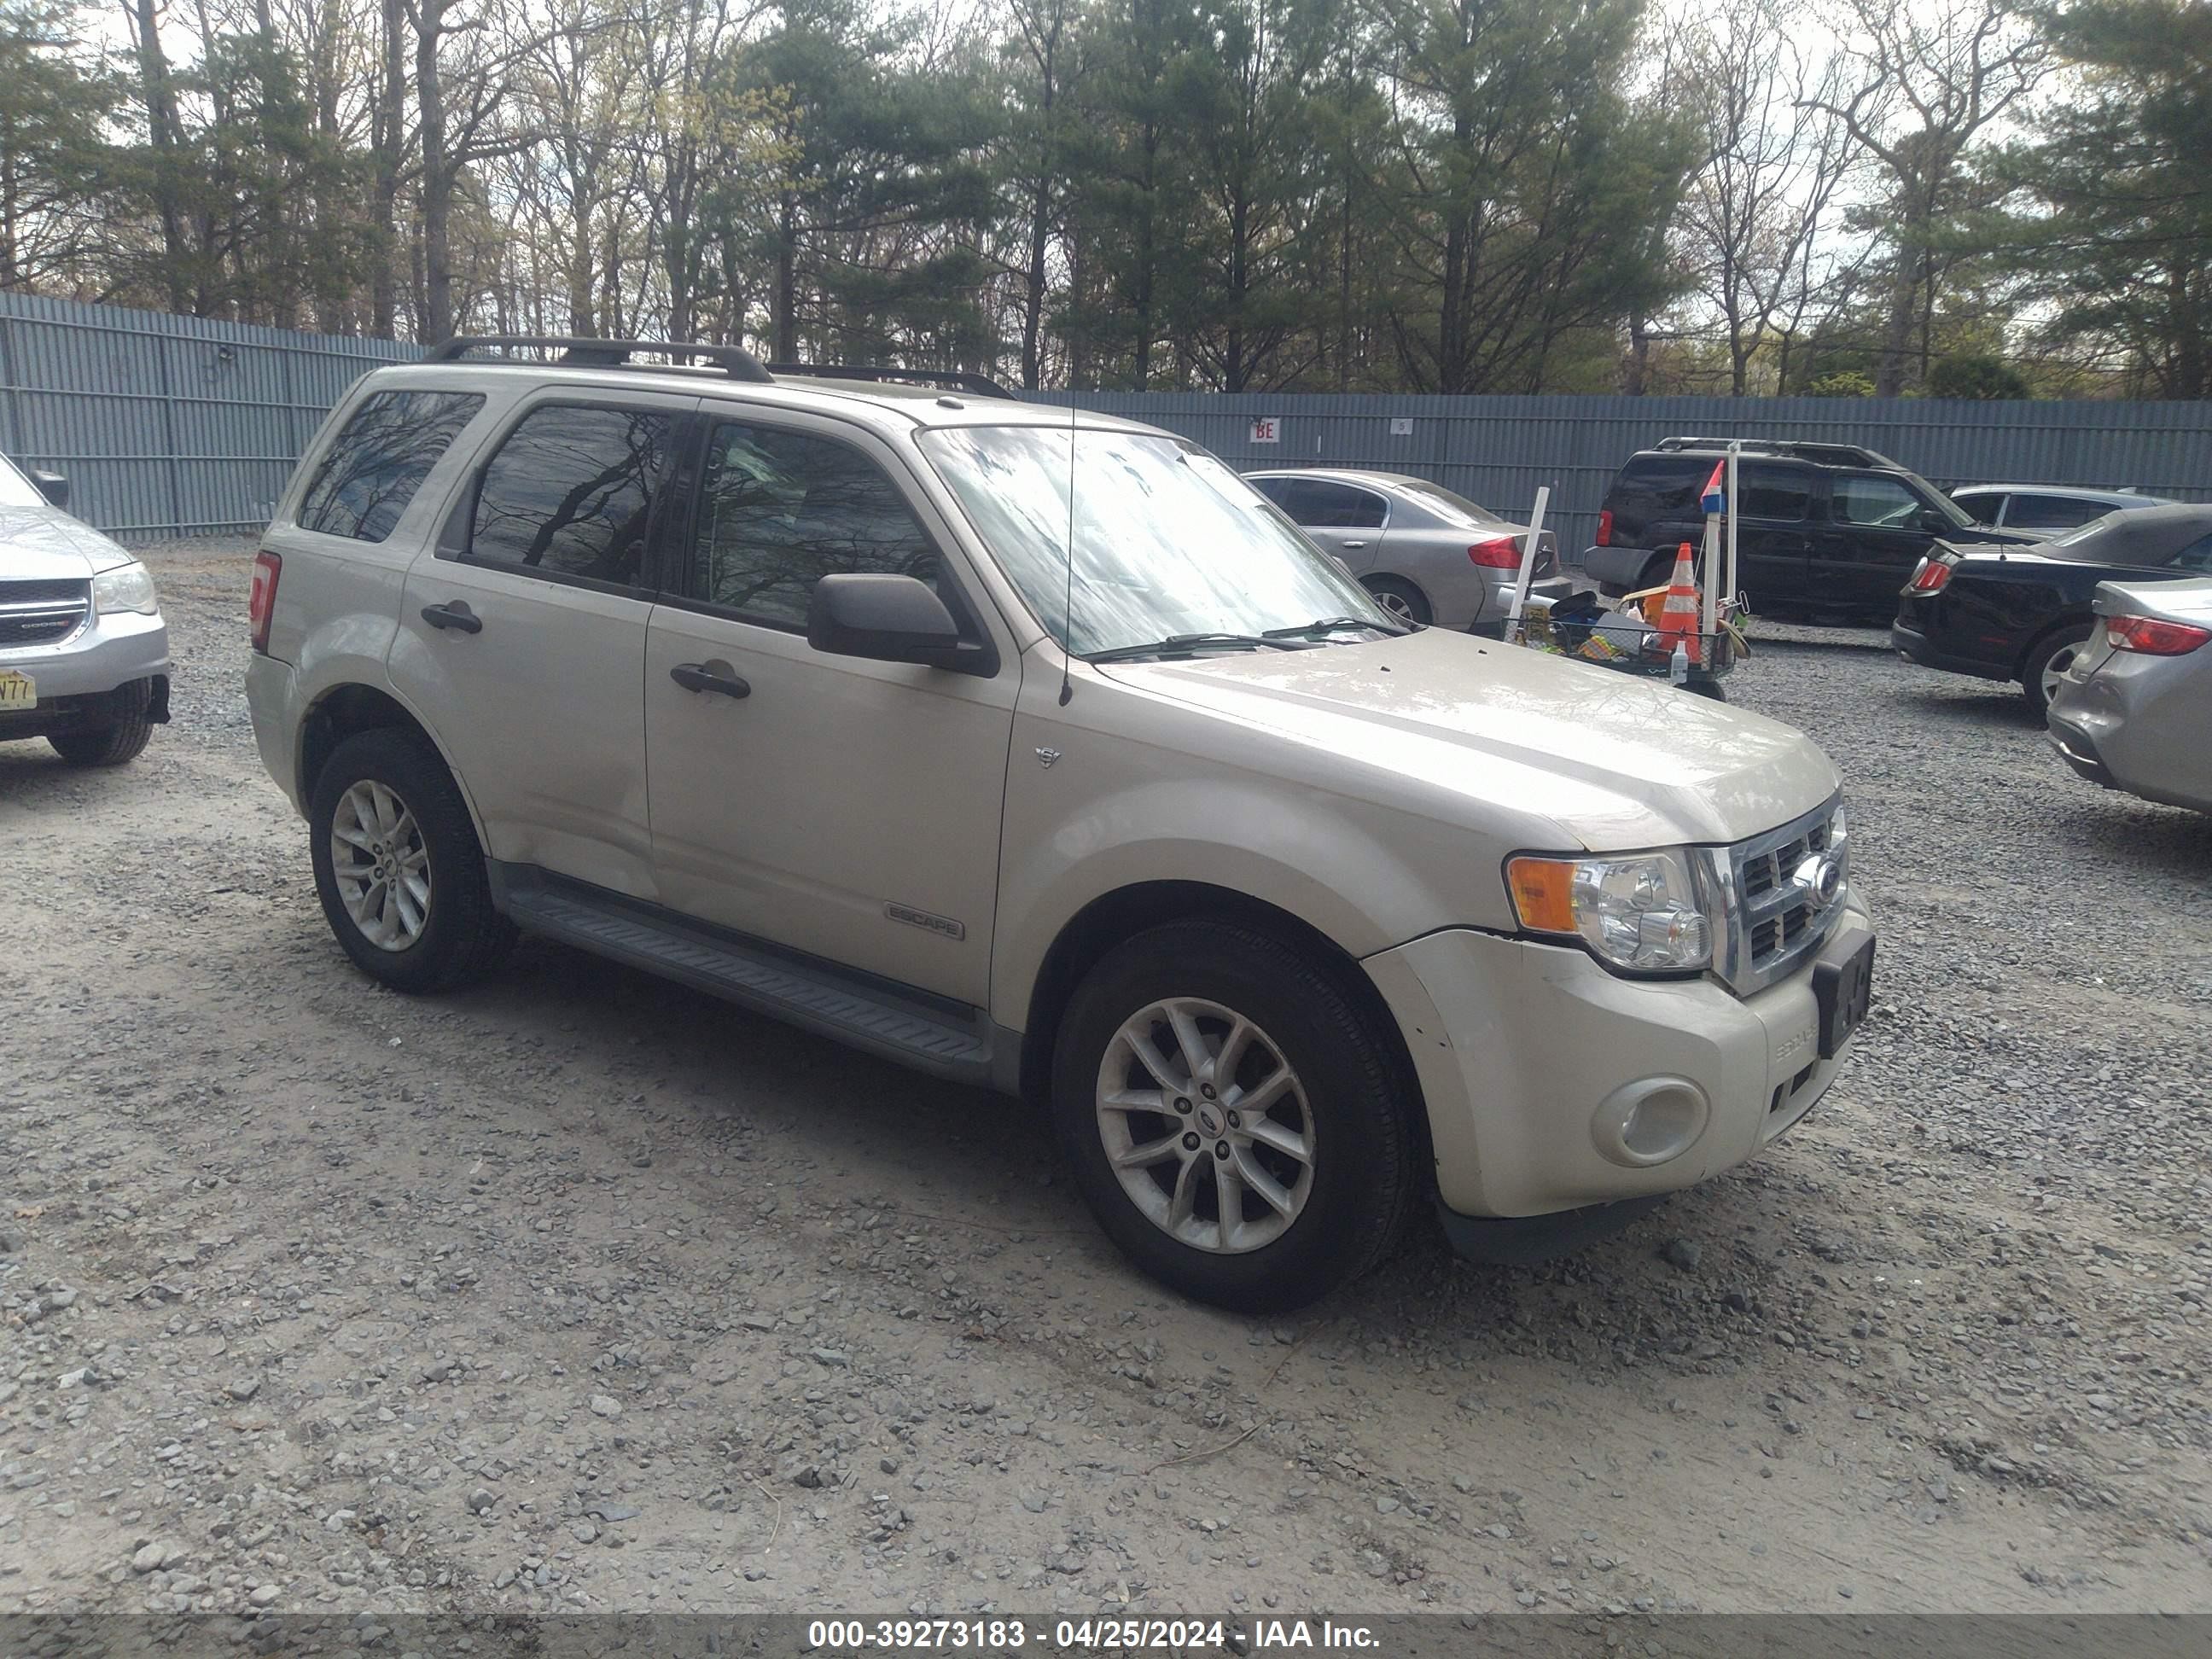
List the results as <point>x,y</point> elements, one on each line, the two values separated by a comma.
<point>1930,76</point>
<point>1776,156</point>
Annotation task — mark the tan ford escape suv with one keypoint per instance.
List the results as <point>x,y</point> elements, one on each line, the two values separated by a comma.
<point>1040,752</point>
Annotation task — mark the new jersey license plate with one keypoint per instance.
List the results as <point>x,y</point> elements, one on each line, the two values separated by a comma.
<point>18,691</point>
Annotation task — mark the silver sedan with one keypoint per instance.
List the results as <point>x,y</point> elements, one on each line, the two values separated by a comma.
<point>1426,554</point>
<point>2134,711</point>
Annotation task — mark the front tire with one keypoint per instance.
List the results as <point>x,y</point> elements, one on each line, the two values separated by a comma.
<point>2048,659</point>
<point>1236,1122</point>
<point>121,740</point>
<point>397,867</point>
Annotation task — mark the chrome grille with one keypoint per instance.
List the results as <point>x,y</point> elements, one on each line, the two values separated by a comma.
<point>40,612</point>
<point>1773,919</point>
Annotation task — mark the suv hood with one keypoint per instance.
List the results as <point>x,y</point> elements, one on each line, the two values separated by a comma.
<point>1559,754</point>
<point>43,544</point>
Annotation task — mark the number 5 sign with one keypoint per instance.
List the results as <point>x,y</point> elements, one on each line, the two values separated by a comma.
<point>1266,429</point>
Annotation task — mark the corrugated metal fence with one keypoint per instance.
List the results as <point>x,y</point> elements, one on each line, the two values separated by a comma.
<point>1497,450</point>
<point>177,425</point>
<point>166,425</point>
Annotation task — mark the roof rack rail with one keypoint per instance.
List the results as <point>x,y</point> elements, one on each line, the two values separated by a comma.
<point>1826,454</point>
<point>982,384</point>
<point>577,352</point>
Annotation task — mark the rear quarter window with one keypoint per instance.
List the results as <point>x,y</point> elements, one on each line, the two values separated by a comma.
<point>372,468</point>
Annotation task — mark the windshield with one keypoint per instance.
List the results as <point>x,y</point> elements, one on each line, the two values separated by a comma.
<point>1959,517</point>
<point>1449,506</point>
<point>16,489</point>
<point>1168,540</point>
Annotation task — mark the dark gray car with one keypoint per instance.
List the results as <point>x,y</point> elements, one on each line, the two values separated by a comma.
<point>1428,554</point>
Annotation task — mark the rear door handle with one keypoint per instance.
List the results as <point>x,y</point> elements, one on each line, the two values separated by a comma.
<point>716,677</point>
<point>454,613</point>
<point>1353,544</point>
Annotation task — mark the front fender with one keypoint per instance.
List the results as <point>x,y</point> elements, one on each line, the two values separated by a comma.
<point>1311,857</point>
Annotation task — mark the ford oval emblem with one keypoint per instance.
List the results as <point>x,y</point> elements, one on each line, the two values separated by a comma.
<point>1821,876</point>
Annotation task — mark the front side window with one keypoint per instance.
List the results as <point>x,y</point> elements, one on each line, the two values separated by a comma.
<point>778,511</point>
<point>1167,541</point>
<point>1874,502</point>
<point>1982,506</point>
<point>380,458</point>
<point>571,492</point>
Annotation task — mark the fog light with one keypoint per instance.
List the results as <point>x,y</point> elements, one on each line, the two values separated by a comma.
<point>1650,1121</point>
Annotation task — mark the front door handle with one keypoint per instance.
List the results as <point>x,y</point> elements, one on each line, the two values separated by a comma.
<point>716,677</point>
<point>454,613</point>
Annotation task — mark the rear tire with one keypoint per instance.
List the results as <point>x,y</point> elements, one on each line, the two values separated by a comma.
<point>123,738</point>
<point>1322,1164</point>
<point>410,904</point>
<point>2048,659</point>
<point>1404,601</point>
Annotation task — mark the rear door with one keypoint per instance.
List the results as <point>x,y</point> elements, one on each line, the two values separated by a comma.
<point>1876,534</point>
<point>1349,521</point>
<point>1774,536</point>
<point>522,633</point>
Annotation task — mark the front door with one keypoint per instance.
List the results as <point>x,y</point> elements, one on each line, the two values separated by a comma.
<point>845,808</point>
<point>522,633</point>
<point>1876,533</point>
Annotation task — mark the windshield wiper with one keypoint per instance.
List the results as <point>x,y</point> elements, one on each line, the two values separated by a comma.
<point>1183,644</point>
<point>1331,625</point>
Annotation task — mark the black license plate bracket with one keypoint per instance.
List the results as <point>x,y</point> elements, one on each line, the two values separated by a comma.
<point>1843,987</point>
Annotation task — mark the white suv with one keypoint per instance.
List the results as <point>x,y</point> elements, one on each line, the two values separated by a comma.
<point>1039,751</point>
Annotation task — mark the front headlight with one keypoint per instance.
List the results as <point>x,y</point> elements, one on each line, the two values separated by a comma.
<point>1638,911</point>
<point>126,587</point>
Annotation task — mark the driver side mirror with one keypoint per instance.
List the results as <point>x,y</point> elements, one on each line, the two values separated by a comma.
<point>52,486</point>
<point>885,619</point>
<point>1930,519</point>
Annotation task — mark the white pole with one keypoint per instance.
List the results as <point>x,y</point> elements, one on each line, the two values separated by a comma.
<point>1735,450</point>
<point>1529,544</point>
<point>1708,626</point>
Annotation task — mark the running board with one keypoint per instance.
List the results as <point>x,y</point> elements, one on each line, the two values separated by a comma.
<point>929,1034</point>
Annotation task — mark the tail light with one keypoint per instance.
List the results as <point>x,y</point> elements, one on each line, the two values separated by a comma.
<point>261,597</point>
<point>2153,637</point>
<point>1605,526</point>
<point>1929,577</point>
<point>1498,553</point>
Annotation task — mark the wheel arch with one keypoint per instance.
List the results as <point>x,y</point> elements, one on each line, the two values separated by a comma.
<point>351,707</point>
<point>2076,615</point>
<point>1113,917</point>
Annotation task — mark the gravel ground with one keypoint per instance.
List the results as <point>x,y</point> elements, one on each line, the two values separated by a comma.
<point>579,1290</point>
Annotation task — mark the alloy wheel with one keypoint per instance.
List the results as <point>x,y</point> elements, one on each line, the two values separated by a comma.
<point>381,866</point>
<point>1206,1125</point>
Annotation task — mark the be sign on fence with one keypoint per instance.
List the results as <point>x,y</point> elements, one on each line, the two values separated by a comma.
<point>1266,429</point>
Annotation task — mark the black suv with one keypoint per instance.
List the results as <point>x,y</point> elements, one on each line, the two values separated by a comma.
<point>1823,529</point>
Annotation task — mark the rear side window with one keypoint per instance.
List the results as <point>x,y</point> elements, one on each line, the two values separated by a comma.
<point>2197,556</point>
<point>2052,512</point>
<point>571,492</point>
<point>1323,505</point>
<point>1774,492</point>
<point>778,511</point>
<point>380,458</point>
<point>1277,490</point>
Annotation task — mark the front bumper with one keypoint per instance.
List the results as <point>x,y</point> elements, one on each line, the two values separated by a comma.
<point>1528,1055</point>
<point>109,652</point>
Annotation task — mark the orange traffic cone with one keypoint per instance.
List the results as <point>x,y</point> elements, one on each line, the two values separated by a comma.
<point>1678,612</point>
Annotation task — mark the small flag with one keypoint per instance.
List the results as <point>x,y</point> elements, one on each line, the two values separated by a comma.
<point>1716,495</point>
